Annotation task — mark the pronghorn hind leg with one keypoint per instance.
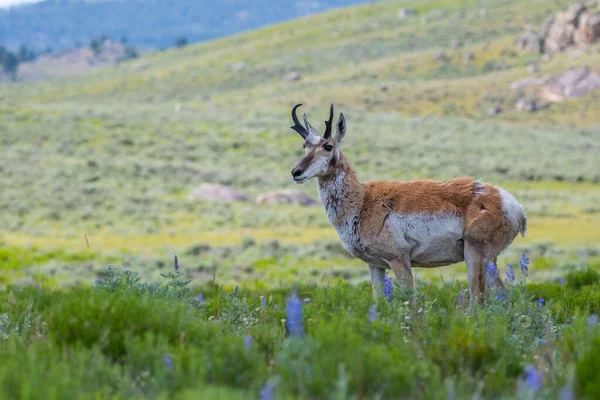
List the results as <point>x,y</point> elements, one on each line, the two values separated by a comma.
<point>498,284</point>
<point>377,275</point>
<point>475,271</point>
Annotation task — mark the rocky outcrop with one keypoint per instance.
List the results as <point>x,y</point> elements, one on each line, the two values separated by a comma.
<point>579,26</point>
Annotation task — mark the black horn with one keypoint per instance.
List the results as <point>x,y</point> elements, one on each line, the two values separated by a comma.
<point>297,125</point>
<point>328,123</point>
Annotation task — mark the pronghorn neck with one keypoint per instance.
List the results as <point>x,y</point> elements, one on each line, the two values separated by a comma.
<point>341,193</point>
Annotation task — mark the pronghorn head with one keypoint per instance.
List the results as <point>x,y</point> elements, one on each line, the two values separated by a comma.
<point>320,152</point>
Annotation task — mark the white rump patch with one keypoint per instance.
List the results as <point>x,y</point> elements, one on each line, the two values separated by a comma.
<point>514,212</point>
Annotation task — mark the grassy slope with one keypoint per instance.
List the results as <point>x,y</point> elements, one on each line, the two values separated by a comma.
<point>107,155</point>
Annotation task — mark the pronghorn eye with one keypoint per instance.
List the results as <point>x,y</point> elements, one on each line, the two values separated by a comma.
<point>328,147</point>
<point>303,145</point>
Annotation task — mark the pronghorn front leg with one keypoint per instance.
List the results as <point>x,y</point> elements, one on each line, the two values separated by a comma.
<point>377,275</point>
<point>401,268</point>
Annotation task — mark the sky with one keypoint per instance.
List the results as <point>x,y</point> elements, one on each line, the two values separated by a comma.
<point>6,3</point>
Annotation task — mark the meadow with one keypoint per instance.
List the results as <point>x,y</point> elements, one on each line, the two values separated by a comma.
<point>96,170</point>
<point>128,338</point>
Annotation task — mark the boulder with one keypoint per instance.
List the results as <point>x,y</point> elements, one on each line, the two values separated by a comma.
<point>571,84</point>
<point>530,41</point>
<point>529,105</point>
<point>292,76</point>
<point>406,12</point>
<point>214,192</point>
<point>286,196</point>
<point>526,82</point>
<point>492,111</point>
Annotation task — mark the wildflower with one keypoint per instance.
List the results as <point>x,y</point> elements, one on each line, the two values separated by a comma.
<point>388,289</point>
<point>266,393</point>
<point>372,313</point>
<point>533,378</point>
<point>566,393</point>
<point>461,297</point>
<point>562,281</point>
<point>524,263</point>
<point>592,320</point>
<point>540,302</point>
<point>200,298</point>
<point>263,302</point>
<point>168,362</point>
<point>491,269</point>
<point>293,312</point>
<point>500,297</point>
<point>176,265</point>
<point>248,341</point>
<point>510,274</point>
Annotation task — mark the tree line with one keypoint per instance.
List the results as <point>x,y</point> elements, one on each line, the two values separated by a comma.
<point>9,61</point>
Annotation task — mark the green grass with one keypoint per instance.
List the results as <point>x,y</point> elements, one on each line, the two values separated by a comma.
<point>106,155</point>
<point>127,338</point>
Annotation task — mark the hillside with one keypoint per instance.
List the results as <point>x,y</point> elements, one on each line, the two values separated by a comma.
<point>98,169</point>
<point>61,24</point>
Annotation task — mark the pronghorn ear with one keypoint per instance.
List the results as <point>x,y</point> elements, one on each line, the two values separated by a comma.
<point>340,128</point>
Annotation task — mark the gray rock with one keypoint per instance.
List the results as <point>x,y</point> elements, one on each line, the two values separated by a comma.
<point>286,196</point>
<point>441,56</point>
<point>530,41</point>
<point>526,82</point>
<point>495,110</point>
<point>571,84</point>
<point>533,68</point>
<point>406,12</point>
<point>214,192</point>
<point>292,76</point>
<point>469,56</point>
<point>529,105</point>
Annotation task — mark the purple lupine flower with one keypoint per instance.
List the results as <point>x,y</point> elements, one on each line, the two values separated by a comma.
<point>592,320</point>
<point>176,265</point>
<point>510,274</point>
<point>540,302</point>
<point>267,393</point>
<point>461,297</point>
<point>248,341</point>
<point>372,313</point>
<point>492,269</point>
<point>388,288</point>
<point>533,378</point>
<point>524,263</point>
<point>293,312</point>
<point>562,281</point>
<point>500,297</point>
<point>168,362</point>
<point>566,393</point>
<point>200,298</point>
<point>263,302</point>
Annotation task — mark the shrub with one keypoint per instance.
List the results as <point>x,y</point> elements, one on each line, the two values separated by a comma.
<point>578,279</point>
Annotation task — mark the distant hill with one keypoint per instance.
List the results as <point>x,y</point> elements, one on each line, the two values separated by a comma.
<point>63,24</point>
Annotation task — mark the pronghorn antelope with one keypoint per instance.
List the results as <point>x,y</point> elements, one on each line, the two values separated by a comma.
<point>400,225</point>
